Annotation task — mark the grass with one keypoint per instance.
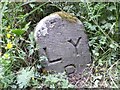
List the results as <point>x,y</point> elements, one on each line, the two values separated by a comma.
<point>19,52</point>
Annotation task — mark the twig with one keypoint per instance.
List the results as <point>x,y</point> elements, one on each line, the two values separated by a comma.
<point>110,74</point>
<point>113,81</point>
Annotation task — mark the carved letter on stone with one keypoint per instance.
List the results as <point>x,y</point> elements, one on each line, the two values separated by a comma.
<point>62,40</point>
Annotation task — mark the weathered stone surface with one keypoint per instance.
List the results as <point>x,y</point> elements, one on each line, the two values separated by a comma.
<point>63,42</point>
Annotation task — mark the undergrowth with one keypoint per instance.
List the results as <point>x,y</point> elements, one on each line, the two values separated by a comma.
<point>20,63</point>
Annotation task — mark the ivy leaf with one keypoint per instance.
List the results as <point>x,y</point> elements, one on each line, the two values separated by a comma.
<point>18,32</point>
<point>24,76</point>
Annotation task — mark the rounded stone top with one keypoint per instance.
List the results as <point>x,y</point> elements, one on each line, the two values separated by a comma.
<point>42,27</point>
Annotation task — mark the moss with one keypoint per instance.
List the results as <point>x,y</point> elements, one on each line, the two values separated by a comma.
<point>67,16</point>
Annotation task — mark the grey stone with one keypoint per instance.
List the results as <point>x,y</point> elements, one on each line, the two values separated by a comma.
<point>64,43</point>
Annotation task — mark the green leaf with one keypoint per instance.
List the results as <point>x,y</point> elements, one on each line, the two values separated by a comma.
<point>26,26</point>
<point>111,8</point>
<point>31,51</point>
<point>24,76</point>
<point>57,80</point>
<point>31,37</point>
<point>32,5</point>
<point>18,32</point>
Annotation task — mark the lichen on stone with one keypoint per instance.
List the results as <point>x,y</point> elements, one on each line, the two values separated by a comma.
<point>67,16</point>
<point>41,28</point>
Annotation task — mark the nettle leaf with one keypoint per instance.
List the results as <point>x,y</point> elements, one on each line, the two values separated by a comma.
<point>107,26</point>
<point>24,76</point>
<point>32,5</point>
<point>102,40</point>
<point>95,52</point>
<point>31,50</point>
<point>56,80</point>
<point>18,32</point>
<point>111,8</point>
<point>111,17</point>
